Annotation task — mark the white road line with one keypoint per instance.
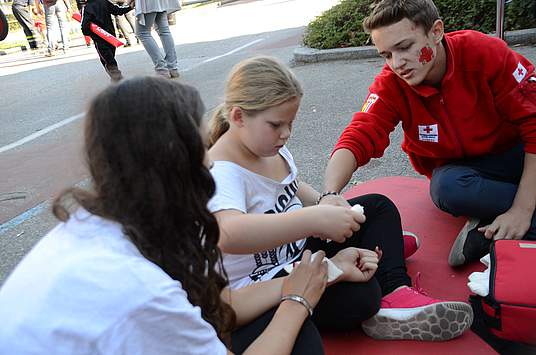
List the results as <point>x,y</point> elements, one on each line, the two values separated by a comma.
<point>40,133</point>
<point>44,131</point>
<point>225,54</point>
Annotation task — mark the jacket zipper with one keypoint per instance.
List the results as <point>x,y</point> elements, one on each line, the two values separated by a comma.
<point>451,126</point>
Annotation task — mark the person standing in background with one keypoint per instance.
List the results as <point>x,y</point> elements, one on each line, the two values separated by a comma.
<point>24,18</point>
<point>56,11</point>
<point>153,13</point>
<point>126,25</point>
<point>100,13</point>
<point>80,4</point>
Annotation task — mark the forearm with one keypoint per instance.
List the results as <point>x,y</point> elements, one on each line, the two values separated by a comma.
<point>307,194</point>
<point>281,333</point>
<point>339,171</point>
<point>250,233</point>
<point>525,199</point>
<point>118,10</point>
<point>251,301</point>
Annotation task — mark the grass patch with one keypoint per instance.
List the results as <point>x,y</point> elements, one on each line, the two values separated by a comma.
<point>8,45</point>
<point>342,25</point>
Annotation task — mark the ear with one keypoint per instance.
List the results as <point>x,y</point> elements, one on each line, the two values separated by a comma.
<point>437,31</point>
<point>236,116</point>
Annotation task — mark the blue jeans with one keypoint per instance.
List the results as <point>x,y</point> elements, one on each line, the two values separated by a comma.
<point>482,187</point>
<point>162,62</point>
<point>57,14</point>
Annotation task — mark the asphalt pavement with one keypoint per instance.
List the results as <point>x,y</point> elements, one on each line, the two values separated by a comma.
<point>38,94</point>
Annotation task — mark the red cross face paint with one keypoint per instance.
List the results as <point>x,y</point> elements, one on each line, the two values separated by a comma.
<point>408,50</point>
<point>427,54</point>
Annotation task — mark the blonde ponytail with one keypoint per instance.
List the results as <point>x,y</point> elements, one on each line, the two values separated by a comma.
<point>219,124</point>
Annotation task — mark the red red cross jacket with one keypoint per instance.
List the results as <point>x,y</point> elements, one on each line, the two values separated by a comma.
<point>486,104</point>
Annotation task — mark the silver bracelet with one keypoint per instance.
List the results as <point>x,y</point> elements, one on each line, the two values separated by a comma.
<point>299,299</point>
<point>324,194</point>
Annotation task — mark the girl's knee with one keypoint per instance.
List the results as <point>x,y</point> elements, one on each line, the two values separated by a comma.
<point>376,205</point>
<point>372,199</point>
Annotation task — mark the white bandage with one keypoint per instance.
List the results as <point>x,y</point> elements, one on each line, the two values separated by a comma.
<point>333,271</point>
<point>358,208</point>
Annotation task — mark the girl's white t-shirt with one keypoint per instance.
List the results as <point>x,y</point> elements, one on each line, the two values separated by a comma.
<point>240,189</point>
<point>86,289</point>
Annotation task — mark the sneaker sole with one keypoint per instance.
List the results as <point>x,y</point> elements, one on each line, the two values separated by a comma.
<point>456,257</point>
<point>436,322</point>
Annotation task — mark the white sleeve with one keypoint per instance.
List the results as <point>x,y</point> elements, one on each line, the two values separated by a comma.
<point>231,193</point>
<point>167,324</point>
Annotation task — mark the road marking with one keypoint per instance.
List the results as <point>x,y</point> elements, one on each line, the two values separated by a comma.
<point>44,131</point>
<point>40,133</point>
<point>32,212</point>
<point>225,54</point>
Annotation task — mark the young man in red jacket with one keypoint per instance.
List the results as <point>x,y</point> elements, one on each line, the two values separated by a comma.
<point>467,104</point>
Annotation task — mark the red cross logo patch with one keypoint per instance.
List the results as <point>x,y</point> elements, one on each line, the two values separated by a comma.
<point>520,72</point>
<point>429,133</point>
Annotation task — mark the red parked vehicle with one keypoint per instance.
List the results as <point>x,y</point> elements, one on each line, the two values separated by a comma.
<point>3,25</point>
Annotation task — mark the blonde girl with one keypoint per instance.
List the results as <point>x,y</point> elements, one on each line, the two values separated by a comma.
<point>268,217</point>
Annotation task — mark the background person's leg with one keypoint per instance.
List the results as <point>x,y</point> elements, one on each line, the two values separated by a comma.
<point>131,19</point>
<point>122,26</point>
<point>61,15</point>
<point>162,27</point>
<point>107,57</point>
<point>144,34</point>
<point>23,17</point>
<point>51,31</point>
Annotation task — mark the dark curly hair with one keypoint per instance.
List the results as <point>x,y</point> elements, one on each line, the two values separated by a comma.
<point>145,155</point>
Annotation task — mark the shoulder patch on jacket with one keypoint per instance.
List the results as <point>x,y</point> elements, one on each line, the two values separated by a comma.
<point>371,99</point>
<point>520,72</point>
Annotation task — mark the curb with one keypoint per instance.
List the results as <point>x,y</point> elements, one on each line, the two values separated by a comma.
<point>311,55</point>
<point>12,50</point>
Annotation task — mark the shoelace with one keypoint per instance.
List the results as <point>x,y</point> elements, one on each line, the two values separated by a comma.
<point>417,288</point>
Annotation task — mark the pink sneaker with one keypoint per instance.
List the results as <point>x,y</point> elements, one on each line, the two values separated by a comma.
<point>411,243</point>
<point>408,313</point>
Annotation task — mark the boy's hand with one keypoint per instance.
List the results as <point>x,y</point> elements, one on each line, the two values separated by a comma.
<point>512,224</point>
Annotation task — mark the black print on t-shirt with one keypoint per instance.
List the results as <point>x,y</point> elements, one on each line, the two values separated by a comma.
<point>267,260</point>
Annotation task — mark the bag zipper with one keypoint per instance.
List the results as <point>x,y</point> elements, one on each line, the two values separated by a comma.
<point>492,272</point>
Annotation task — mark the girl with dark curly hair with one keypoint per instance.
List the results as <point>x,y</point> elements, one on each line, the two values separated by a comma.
<point>135,267</point>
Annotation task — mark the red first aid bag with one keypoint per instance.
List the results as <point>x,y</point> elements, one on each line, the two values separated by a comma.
<point>510,307</point>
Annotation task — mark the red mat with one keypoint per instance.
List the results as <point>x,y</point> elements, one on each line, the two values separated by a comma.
<point>436,230</point>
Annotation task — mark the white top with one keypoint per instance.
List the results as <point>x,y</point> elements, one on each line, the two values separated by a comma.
<point>143,7</point>
<point>240,189</point>
<point>86,289</point>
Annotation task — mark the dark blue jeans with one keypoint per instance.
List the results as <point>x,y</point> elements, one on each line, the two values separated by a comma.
<point>482,187</point>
